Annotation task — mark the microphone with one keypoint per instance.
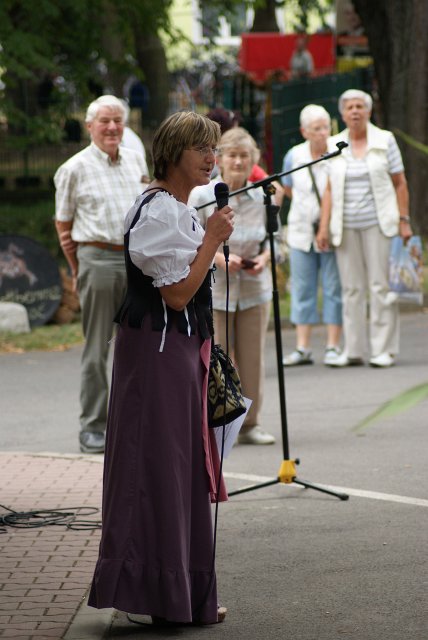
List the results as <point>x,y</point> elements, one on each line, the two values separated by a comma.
<point>221,191</point>
<point>342,145</point>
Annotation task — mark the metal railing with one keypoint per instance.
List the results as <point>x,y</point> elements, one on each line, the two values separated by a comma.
<point>36,165</point>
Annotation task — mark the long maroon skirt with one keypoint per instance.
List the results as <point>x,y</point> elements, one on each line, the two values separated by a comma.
<point>156,550</point>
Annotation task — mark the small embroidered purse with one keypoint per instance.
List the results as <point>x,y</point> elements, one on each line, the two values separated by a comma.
<point>225,399</point>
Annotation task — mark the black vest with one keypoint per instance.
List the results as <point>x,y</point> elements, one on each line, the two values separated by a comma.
<point>142,298</point>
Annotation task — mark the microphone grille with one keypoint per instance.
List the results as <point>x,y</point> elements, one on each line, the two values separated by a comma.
<point>221,188</point>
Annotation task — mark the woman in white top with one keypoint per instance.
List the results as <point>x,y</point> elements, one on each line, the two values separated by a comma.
<point>365,204</point>
<point>308,265</point>
<point>250,276</point>
<point>161,462</point>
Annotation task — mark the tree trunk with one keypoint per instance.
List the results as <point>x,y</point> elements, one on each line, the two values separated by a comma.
<point>397,32</point>
<point>265,18</point>
<point>113,48</point>
<point>151,59</point>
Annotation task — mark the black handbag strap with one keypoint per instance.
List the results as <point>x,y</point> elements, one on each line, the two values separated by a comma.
<point>146,199</point>
<point>314,184</point>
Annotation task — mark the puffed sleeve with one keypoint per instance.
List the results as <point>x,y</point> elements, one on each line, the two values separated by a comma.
<point>165,240</point>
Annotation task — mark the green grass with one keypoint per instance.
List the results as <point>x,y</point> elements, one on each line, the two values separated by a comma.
<point>34,218</point>
<point>55,337</point>
<point>50,337</point>
<point>406,400</point>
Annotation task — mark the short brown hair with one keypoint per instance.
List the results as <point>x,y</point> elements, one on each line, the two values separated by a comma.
<point>180,131</point>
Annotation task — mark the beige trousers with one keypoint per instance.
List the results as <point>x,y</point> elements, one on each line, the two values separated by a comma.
<point>363,261</point>
<point>247,337</point>
<point>101,284</point>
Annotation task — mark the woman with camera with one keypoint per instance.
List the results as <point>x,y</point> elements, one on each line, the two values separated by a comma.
<point>250,276</point>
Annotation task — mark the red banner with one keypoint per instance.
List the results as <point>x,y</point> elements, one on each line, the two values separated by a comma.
<point>265,54</point>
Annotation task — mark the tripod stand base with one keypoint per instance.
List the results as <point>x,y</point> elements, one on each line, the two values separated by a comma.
<point>287,475</point>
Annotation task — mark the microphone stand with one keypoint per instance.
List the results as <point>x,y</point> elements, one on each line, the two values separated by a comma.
<point>287,471</point>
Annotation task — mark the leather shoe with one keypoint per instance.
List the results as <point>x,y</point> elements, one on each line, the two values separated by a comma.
<point>92,441</point>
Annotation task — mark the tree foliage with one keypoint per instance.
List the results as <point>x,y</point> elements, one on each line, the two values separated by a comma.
<point>54,54</point>
<point>79,45</point>
<point>38,42</point>
<point>264,18</point>
<point>264,11</point>
<point>52,51</point>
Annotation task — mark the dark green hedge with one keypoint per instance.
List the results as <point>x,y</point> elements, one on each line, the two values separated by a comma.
<point>31,215</point>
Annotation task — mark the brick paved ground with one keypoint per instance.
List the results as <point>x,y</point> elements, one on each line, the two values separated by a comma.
<point>291,563</point>
<point>45,571</point>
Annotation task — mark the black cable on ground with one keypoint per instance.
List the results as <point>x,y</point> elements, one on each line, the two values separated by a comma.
<point>67,517</point>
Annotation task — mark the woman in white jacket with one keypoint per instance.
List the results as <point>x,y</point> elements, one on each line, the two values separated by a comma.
<point>365,204</point>
<point>307,264</point>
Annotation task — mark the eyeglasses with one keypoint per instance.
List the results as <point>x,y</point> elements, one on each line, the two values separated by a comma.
<point>205,151</point>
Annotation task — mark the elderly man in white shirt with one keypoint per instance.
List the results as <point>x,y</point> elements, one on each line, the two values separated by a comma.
<point>94,190</point>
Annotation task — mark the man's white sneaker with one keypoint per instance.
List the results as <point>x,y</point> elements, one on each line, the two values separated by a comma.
<point>298,356</point>
<point>255,435</point>
<point>331,355</point>
<point>383,360</point>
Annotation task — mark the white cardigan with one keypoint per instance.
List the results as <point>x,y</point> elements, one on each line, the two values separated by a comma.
<point>304,207</point>
<point>380,179</point>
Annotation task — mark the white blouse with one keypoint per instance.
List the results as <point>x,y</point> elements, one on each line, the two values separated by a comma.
<point>165,240</point>
<point>247,241</point>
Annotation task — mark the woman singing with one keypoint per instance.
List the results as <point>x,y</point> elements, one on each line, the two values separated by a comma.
<point>156,551</point>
